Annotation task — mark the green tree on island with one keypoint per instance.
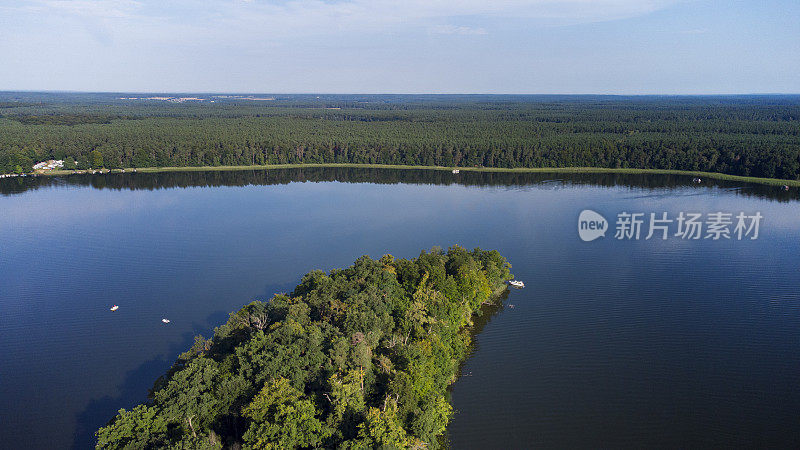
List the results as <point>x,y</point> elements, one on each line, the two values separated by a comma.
<point>357,358</point>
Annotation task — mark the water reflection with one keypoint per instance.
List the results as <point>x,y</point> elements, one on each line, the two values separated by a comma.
<point>212,178</point>
<point>616,344</point>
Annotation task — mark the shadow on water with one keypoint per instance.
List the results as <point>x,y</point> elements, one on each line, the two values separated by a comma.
<point>133,390</point>
<point>137,383</point>
<point>262,177</point>
<point>480,320</point>
<point>135,386</point>
<point>487,312</point>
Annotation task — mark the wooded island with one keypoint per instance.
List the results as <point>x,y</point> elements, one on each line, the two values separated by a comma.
<point>356,358</point>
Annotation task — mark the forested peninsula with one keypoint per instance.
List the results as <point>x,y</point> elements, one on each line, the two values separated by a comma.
<point>752,136</point>
<point>357,358</point>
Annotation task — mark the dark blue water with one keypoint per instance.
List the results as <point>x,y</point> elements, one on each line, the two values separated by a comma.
<point>611,344</point>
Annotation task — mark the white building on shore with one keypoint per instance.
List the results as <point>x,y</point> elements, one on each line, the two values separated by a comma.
<point>49,165</point>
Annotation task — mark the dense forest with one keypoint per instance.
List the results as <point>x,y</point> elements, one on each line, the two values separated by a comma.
<point>357,358</point>
<point>739,135</point>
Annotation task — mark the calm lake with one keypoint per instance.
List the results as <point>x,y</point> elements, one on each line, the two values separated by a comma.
<point>613,343</point>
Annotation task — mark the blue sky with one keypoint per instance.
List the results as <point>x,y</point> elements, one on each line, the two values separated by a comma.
<point>396,46</point>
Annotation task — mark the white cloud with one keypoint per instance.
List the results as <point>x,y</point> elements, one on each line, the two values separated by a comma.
<point>273,20</point>
<point>314,17</point>
<point>369,12</point>
<point>87,8</point>
<point>454,29</point>
<point>297,45</point>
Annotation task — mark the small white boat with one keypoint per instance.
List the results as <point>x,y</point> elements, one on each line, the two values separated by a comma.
<point>114,308</point>
<point>697,180</point>
<point>456,171</point>
<point>165,320</point>
<point>517,284</point>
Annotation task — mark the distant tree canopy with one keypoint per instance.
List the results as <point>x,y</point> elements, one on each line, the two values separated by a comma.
<point>96,158</point>
<point>741,135</point>
<point>358,358</point>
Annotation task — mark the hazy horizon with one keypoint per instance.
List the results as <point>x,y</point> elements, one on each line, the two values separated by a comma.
<point>421,94</point>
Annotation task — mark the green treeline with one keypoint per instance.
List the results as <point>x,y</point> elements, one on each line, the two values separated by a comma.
<point>750,135</point>
<point>358,358</point>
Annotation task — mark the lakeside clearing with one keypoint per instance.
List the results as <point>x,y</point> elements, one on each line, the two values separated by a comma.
<point>711,175</point>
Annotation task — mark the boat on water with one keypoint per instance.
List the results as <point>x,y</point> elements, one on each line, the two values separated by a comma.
<point>517,284</point>
<point>456,171</point>
<point>697,180</point>
<point>165,320</point>
<point>114,308</point>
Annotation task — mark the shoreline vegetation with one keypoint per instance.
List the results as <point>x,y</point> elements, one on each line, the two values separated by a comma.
<point>745,136</point>
<point>700,174</point>
<point>356,358</point>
